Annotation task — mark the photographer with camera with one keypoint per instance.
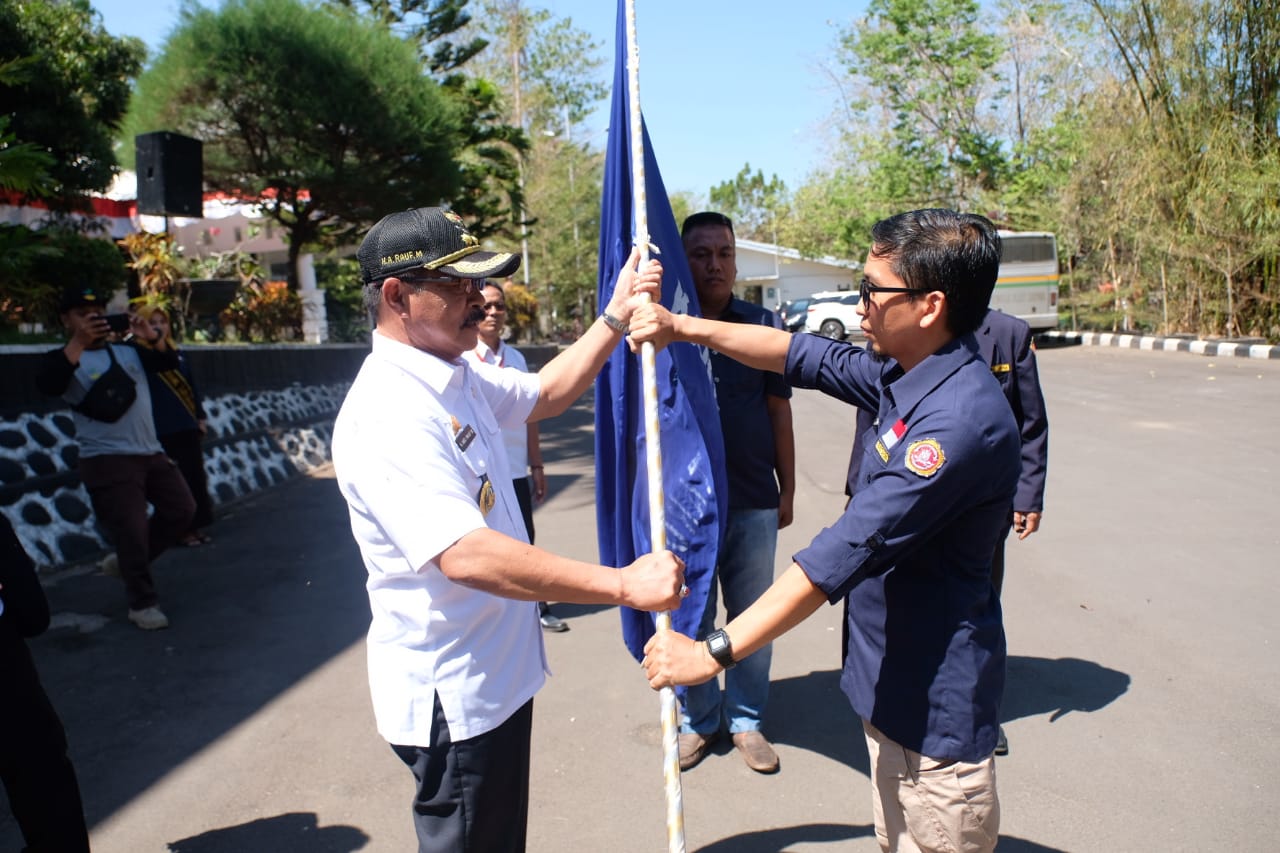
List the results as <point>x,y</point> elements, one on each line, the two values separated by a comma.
<point>122,465</point>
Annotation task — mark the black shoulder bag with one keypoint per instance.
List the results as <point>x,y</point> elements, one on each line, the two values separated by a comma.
<point>111,395</point>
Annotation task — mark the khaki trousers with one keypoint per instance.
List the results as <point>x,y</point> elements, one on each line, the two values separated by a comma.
<point>923,805</point>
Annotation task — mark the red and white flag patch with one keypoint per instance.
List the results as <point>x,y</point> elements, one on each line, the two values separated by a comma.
<point>891,437</point>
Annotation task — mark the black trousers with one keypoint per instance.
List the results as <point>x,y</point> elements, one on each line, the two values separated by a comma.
<point>524,496</point>
<point>186,448</point>
<point>473,795</point>
<point>34,766</point>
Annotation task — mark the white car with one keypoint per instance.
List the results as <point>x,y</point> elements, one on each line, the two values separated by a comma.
<point>834,315</point>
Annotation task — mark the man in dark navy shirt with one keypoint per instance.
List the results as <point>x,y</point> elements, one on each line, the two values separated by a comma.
<point>1004,343</point>
<point>912,551</point>
<point>760,453</point>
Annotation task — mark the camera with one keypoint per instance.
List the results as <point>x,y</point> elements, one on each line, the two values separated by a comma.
<point>119,323</point>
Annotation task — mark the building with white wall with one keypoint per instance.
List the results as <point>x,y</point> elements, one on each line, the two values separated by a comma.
<point>769,274</point>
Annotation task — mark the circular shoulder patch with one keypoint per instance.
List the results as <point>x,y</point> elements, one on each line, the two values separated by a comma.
<point>925,457</point>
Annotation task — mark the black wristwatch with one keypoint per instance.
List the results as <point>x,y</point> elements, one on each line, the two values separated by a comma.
<point>720,648</point>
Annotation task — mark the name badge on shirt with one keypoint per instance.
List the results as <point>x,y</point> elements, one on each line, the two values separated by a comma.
<point>1001,368</point>
<point>486,498</point>
<point>462,435</point>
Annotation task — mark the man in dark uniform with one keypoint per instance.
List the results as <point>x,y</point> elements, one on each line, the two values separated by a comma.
<point>1004,343</point>
<point>912,552</point>
<point>760,454</point>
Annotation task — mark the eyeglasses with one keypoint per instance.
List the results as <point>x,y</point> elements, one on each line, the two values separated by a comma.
<point>496,307</point>
<point>866,288</point>
<point>476,285</point>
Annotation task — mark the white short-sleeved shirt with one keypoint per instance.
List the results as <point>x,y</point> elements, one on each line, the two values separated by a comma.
<point>413,444</point>
<point>516,439</point>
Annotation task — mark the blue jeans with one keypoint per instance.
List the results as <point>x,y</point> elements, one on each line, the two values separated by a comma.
<point>744,572</point>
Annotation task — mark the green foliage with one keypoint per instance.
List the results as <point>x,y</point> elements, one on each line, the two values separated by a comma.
<point>339,278</point>
<point>35,266</point>
<point>1154,154</point>
<point>488,159</point>
<point>326,117</point>
<point>24,167</point>
<point>755,205</point>
<point>425,23</point>
<point>927,66</point>
<point>66,95</point>
<point>547,73</point>
<point>683,205</point>
<point>489,193</point>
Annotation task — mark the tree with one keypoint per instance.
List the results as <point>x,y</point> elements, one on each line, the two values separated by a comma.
<point>326,118</point>
<point>927,70</point>
<point>64,93</point>
<point>490,193</point>
<point>547,71</point>
<point>425,23</point>
<point>24,166</point>
<point>1202,131</point>
<point>64,84</point>
<point>755,205</point>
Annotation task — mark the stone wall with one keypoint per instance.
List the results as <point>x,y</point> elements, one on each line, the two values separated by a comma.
<point>271,411</point>
<point>275,425</point>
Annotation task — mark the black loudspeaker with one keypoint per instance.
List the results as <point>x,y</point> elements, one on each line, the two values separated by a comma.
<point>170,174</point>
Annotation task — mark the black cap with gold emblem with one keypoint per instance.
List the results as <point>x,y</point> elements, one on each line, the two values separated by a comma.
<point>428,238</point>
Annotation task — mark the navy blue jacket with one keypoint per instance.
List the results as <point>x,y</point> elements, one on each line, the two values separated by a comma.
<point>1004,342</point>
<point>912,551</point>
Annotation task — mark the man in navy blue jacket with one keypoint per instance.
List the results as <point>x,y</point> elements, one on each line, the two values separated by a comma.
<point>1004,343</point>
<point>912,551</point>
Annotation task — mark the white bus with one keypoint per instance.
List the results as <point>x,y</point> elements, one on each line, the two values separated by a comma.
<point>1027,286</point>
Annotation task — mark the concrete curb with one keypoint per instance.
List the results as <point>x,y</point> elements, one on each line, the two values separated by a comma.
<point>1218,349</point>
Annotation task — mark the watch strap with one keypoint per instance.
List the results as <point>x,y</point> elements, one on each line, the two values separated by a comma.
<point>720,648</point>
<point>613,322</point>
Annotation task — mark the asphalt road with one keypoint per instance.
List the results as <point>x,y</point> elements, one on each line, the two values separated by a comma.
<point>1142,704</point>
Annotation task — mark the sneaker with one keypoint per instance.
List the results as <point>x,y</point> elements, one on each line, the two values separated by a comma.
<point>553,623</point>
<point>693,747</point>
<point>149,618</point>
<point>756,751</point>
<point>549,622</point>
<point>1002,743</point>
<point>110,565</point>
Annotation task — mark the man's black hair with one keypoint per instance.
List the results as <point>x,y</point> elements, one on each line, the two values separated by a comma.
<point>936,249</point>
<point>706,217</point>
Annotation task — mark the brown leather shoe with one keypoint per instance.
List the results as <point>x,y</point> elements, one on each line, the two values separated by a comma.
<point>693,747</point>
<point>756,751</point>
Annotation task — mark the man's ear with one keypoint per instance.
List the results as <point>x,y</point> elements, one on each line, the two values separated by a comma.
<point>934,309</point>
<point>395,296</point>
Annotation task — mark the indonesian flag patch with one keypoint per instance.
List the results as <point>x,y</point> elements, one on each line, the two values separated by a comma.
<point>925,457</point>
<point>886,442</point>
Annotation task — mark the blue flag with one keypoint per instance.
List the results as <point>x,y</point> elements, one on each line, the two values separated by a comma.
<point>693,477</point>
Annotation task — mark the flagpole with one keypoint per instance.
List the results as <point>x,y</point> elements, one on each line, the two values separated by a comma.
<point>653,442</point>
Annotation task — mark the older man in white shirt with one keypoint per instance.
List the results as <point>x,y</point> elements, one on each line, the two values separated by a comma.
<point>455,650</point>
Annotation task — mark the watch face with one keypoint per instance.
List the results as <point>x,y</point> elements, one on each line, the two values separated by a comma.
<point>720,648</point>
